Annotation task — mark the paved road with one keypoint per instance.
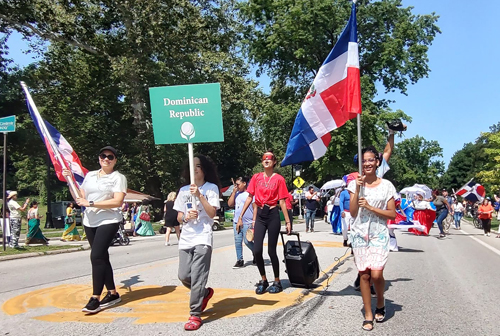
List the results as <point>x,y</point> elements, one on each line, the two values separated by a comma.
<point>434,287</point>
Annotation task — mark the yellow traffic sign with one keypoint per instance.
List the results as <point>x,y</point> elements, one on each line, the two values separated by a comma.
<point>298,182</point>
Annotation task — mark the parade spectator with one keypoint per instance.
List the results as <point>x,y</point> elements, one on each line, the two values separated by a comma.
<point>34,235</point>
<point>344,201</point>
<point>371,204</point>
<point>442,210</point>
<point>458,213</point>
<point>70,232</point>
<point>497,206</point>
<point>312,200</point>
<point>143,220</point>
<point>102,194</point>
<point>485,213</point>
<point>237,200</point>
<point>15,217</point>
<point>269,190</point>
<point>197,205</point>
<point>170,218</point>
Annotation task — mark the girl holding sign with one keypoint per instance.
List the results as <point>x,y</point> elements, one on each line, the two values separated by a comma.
<point>269,190</point>
<point>196,205</point>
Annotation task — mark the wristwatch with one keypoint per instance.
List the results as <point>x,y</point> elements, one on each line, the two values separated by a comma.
<point>91,203</point>
<point>184,219</point>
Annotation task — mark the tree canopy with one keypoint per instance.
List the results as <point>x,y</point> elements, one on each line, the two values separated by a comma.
<point>98,59</point>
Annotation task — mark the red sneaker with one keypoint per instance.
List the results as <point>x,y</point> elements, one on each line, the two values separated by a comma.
<point>194,323</point>
<point>207,298</point>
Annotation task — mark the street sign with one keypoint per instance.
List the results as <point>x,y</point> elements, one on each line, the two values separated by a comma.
<point>298,182</point>
<point>299,191</point>
<point>8,124</point>
<point>186,113</point>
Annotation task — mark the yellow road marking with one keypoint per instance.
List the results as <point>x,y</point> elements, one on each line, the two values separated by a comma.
<point>154,304</point>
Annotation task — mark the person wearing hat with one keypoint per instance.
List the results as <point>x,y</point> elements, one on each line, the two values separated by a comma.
<point>15,217</point>
<point>102,194</point>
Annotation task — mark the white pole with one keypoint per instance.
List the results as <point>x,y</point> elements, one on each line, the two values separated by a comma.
<point>75,192</point>
<point>300,206</point>
<point>191,162</point>
<point>360,157</point>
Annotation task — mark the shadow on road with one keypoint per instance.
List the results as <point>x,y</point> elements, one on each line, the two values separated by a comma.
<point>408,250</point>
<point>144,293</point>
<point>231,306</point>
<point>127,284</point>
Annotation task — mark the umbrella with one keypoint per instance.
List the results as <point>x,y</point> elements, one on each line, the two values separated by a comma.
<point>227,191</point>
<point>333,184</point>
<point>412,191</point>
<point>428,191</point>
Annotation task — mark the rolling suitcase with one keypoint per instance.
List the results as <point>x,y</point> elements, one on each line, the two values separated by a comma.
<point>301,261</point>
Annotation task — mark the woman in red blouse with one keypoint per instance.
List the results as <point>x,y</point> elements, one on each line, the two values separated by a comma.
<point>269,190</point>
<point>485,212</point>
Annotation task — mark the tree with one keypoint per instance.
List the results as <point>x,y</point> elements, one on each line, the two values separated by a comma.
<point>100,58</point>
<point>290,39</point>
<point>415,161</point>
<point>489,175</point>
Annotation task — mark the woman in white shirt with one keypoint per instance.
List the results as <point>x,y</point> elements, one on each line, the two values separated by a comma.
<point>196,206</point>
<point>102,193</point>
<point>458,213</point>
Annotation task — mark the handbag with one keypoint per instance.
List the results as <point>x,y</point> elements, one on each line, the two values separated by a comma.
<point>249,234</point>
<point>70,220</point>
<point>145,217</point>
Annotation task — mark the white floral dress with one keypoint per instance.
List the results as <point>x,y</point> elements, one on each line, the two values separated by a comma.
<point>369,233</point>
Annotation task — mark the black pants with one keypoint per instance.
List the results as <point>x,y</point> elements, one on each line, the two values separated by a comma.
<point>99,238</point>
<point>267,220</point>
<point>486,225</point>
<point>290,216</point>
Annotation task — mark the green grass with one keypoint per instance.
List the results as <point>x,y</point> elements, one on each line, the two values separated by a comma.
<point>30,249</point>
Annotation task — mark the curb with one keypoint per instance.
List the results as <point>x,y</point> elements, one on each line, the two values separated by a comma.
<point>38,254</point>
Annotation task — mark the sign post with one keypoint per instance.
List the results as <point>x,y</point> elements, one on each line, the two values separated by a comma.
<point>7,124</point>
<point>299,182</point>
<point>187,114</point>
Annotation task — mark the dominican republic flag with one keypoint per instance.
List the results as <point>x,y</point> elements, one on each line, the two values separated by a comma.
<point>334,98</point>
<point>60,151</point>
<point>472,191</point>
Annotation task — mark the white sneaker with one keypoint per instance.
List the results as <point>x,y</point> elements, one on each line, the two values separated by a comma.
<point>485,235</point>
<point>168,244</point>
<point>488,234</point>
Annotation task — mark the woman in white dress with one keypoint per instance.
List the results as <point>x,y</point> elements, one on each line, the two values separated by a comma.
<point>372,204</point>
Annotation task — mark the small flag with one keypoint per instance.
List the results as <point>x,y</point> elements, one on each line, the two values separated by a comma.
<point>334,98</point>
<point>60,151</point>
<point>472,191</point>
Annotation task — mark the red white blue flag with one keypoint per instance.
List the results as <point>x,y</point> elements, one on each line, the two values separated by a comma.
<point>334,98</point>
<point>60,151</point>
<point>472,191</point>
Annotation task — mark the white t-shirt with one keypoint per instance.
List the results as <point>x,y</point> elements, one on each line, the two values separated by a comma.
<point>383,168</point>
<point>239,202</point>
<point>13,209</point>
<point>458,207</point>
<point>197,231</point>
<point>100,189</point>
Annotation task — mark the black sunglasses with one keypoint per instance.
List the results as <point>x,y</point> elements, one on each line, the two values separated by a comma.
<point>110,157</point>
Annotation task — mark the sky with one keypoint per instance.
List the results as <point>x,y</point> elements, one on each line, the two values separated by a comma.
<point>456,103</point>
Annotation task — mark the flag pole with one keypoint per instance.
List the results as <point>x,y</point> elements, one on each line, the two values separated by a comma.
<point>360,157</point>
<point>75,192</point>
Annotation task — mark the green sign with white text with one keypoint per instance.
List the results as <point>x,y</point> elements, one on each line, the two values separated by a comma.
<point>186,113</point>
<point>8,124</point>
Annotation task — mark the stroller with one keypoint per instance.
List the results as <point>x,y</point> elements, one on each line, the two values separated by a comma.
<point>120,236</point>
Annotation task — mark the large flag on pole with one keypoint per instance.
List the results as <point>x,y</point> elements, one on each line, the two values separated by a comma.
<point>334,98</point>
<point>60,151</point>
<point>472,191</point>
